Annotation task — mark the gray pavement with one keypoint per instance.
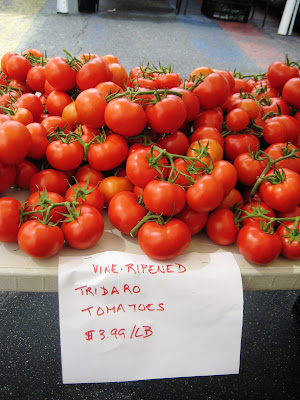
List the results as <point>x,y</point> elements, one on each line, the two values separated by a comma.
<point>138,32</point>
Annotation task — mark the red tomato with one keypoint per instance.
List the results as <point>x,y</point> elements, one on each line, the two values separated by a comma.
<point>112,185</point>
<point>265,209</point>
<point>24,172</point>
<point>238,144</point>
<point>108,154</point>
<point>286,232</point>
<point>274,104</point>
<point>9,219</point>
<point>60,74</point>
<point>184,173</point>
<point>22,115</point>
<point>125,212</point>
<point>85,230</point>
<point>207,132</point>
<point>45,200</point>
<point>57,101</point>
<point>15,142</point>
<point>168,80</point>
<point>191,103</point>
<point>194,220</point>
<point>213,152</point>
<point>283,196</point>
<point>167,115</point>
<point>125,117</point>
<point>5,59</point>
<point>64,156</point>
<point>291,92</point>
<point>164,242</point>
<point>40,240</point>
<point>107,88</point>
<point>242,84</point>
<point>249,168</point>
<point>251,106</point>
<point>70,114</point>
<point>226,174</point>
<point>278,150</point>
<point>164,198</point>
<point>86,133</point>
<point>274,131</point>
<point>87,173</point>
<point>36,78</point>
<point>53,123</point>
<point>232,199</point>
<point>205,194</point>
<point>237,119</point>
<point>17,67</point>
<point>280,72</point>
<point>119,74</point>
<point>87,194</point>
<point>257,246</point>
<point>51,180</point>
<point>140,171</point>
<point>221,228</point>
<point>293,213</point>
<point>199,71</point>
<point>90,105</point>
<point>213,91</point>
<point>175,143</point>
<point>212,118</point>
<point>93,72</point>
<point>8,175</point>
<point>32,103</point>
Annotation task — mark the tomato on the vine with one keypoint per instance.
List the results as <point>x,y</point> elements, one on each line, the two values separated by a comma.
<point>153,237</point>
<point>284,194</point>
<point>111,185</point>
<point>221,227</point>
<point>40,240</point>
<point>162,197</point>
<point>167,115</point>
<point>84,230</point>
<point>125,117</point>
<point>288,232</point>
<point>258,246</point>
<point>108,154</point>
<point>205,194</point>
<point>64,156</point>
<point>125,212</point>
<point>15,142</point>
<point>139,169</point>
<point>9,219</point>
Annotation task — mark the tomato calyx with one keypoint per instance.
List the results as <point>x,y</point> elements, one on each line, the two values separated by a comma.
<point>293,233</point>
<point>34,60</point>
<point>291,63</point>
<point>267,223</point>
<point>191,163</point>
<point>81,192</point>
<point>277,177</point>
<point>41,210</point>
<point>133,95</point>
<point>158,218</point>
<point>73,61</point>
<point>288,152</point>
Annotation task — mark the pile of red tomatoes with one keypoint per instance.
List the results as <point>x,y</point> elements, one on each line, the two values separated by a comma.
<point>167,157</point>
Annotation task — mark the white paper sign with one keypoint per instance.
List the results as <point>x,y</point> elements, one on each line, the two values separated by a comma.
<point>126,317</point>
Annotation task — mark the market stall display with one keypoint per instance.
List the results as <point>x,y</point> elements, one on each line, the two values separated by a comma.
<point>165,162</point>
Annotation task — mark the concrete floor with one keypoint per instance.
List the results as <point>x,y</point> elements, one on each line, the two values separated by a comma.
<point>149,31</point>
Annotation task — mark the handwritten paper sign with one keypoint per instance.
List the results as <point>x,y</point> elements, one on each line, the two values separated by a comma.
<point>125,317</point>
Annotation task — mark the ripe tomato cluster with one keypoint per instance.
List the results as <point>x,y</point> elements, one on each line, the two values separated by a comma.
<point>167,157</point>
